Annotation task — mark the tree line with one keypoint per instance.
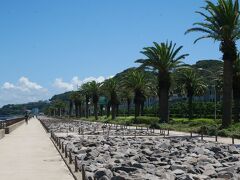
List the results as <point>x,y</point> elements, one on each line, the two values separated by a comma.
<point>163,72</point>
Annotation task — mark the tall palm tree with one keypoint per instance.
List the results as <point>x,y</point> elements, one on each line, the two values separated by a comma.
<point>137,82</point>
<point>236,88</point>
<point>85,90</point>
<point>162,59</point>
<point>221,23</point>
<point>94,91</point>
<point>110,88</point>
<point>190,84</point>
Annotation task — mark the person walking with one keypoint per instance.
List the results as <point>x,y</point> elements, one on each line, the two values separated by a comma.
<point>26,118</point>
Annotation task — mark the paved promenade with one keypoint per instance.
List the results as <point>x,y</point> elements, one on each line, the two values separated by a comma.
<point>28,154</point>
<point>224,140</point>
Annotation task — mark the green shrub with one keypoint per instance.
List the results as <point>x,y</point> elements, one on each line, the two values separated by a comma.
<point>154,125</point>
<point>146,120</point>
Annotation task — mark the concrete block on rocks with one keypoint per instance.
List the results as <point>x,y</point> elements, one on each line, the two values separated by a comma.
<point>2,133</point>
<point>11,128</point>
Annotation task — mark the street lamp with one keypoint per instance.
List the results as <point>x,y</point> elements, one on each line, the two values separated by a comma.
<point>215,92</point>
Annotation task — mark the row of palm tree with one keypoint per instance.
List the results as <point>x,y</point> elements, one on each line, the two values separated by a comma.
<point>136,85</point>
<point>162,69</point>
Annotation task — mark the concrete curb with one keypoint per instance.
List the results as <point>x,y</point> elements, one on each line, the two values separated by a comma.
<point>11,128</point>
<point>2,133</point>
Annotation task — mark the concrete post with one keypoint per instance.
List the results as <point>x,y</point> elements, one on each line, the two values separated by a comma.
<point>83,173</point>
<point>233,140</point>
<point>75,163</point>
<point>66,151</point>
<point>70,156</point>
<point>62,147</point>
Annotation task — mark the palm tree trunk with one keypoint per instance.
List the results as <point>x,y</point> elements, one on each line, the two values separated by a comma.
<point>113,111</point>
<point>101,110</point>
<point>60,112</point>
<point>236,97</point>
<point>70,108</point>
<point>108,110</point>
<point>117,110</point>
<point>163,104</point>
<point>96,111</point>
<point>83,110</point>
<point>190,107</point>
<point>227,92</point>
<point>76,109</point>
<point>236,110</point>
<point>80,109</point>
<point>128,106</point>
<point>87,108</point>
<point>142,108</point>
<point>137,111</point>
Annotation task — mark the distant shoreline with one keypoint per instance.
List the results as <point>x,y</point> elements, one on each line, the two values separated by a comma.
<point>4,118</point>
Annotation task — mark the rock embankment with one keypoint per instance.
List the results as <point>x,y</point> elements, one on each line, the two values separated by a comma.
<point>118,157</point>
<point>154,158</point>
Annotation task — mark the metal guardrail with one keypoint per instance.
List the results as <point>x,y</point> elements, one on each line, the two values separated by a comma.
<point>6,123</point>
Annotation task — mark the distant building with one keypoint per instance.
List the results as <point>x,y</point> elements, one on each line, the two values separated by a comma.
<point>209,96</point>
<point>35,111</point>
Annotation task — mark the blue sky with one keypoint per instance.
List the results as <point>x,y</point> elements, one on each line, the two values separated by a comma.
<point>48,46</point>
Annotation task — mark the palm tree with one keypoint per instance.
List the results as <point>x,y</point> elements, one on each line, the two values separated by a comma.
<point>94,91</point>
<point>127,97</point>
<point>191,84</point>
<point>236,88</point>
<point>137,82</point>
<point>85,90</point>
<point>59,106</point>
<point>110,89</point>
<point>221,23</point>
<point>70,106</point>
<point>77,99</point>
<point>162,59</point>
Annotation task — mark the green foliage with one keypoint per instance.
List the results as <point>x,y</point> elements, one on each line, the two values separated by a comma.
<point>190,83</point>
<point>64,96</point>
<point>233,130</point>
<point>200,109</point>
<point>221,21</point>
<point>146,120</point>
<point>110,89</point>
<point>19,109</point>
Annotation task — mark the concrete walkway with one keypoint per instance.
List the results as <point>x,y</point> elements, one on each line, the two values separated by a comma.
<point>28,154</point>
<point>224,140</point>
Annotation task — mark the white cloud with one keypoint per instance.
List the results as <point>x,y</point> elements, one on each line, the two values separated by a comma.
<point>75,82</point>
<point>8,85</point>
<point>22,92</point>
<point>60,84</point>
<point>24,83</point>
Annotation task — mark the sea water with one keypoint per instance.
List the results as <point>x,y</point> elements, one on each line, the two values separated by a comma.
<point>3,118</point>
